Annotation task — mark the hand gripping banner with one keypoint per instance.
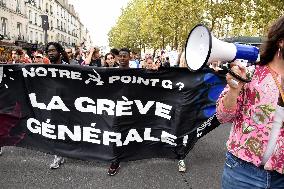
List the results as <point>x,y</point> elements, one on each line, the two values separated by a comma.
<point>104,113</point>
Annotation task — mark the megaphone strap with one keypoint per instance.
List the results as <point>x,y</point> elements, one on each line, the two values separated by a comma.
<point>276,81</point>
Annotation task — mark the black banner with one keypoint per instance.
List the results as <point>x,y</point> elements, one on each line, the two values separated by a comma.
<point>106,113</point>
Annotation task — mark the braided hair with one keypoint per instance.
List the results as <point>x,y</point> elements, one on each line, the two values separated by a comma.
<point>59,49</point>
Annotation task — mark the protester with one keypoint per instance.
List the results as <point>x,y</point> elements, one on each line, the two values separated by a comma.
<point>181,163</point>
<point>149,64</point>
<point>256,142</point>
<point>56,55</point>
<point>110,61</point>
<point>124,57</point>
<point>93,58</point>
<point>133,63</point>
<point>102,57</point>
<point>70,54</point>
<point>182,61</point>
<point>158,63</point>
<point>78,57</point>
<point>115,52</point>
<point>167,63</point>
<point>25,58</point>
<point>16,56</point>
<point>45,60</point>
<point>38,58</point>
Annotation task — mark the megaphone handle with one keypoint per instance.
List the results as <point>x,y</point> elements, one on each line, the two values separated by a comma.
<point>237,76</point>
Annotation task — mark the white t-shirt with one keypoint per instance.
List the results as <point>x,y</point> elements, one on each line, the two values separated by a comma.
<point>133,64</point>
<point>276,126</point>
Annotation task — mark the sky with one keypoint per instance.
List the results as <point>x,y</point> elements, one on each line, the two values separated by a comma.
<point>99,16</point>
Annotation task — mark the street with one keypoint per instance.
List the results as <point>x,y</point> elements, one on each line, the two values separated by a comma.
<point>22,168</point>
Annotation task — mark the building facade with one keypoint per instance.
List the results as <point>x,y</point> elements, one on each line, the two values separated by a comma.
<point>14,22</point>
<point>42,21</point>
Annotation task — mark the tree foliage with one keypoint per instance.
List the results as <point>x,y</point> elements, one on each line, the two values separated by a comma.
<point>159,23</point>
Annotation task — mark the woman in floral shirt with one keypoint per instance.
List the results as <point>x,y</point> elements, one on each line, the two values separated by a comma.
<point>255,157</point>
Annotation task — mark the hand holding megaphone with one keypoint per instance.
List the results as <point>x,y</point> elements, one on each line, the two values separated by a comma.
<point>238,70</point>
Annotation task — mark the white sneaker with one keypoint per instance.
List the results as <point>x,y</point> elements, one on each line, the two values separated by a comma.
<point>181,166</point>
<point>57,161</point>
<point>1,151</point>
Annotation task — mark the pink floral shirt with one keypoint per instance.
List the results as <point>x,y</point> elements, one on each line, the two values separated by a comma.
<point>252,120</point>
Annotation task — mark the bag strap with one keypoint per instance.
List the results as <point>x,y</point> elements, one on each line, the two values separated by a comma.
<point>276,81</point>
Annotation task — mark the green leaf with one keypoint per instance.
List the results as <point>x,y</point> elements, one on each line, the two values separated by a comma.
<point>247,128</point>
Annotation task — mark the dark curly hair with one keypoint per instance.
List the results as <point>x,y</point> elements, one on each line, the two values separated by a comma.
<point>271,45</point>
<point>125,50</point>
<point>59,49</point>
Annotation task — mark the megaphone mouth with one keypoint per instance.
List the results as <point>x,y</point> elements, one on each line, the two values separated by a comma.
<point>199,40</point>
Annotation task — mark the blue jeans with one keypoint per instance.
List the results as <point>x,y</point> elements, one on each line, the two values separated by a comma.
<point>239,174</point>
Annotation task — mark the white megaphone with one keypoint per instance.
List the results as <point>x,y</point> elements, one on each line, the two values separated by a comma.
<point>202,48</point>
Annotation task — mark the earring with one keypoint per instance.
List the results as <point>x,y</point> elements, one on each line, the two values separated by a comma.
<point>278,53</point>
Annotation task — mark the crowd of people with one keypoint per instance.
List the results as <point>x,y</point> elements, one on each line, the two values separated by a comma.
<point>91,57</point>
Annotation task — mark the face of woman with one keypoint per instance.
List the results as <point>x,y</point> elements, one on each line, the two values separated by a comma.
<point>110,60</point>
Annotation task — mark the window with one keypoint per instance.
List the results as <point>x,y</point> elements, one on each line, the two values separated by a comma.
<point>39,20</point>
<point>3,3</point>
<point>19,29</point>
<point>30,15</point>
<point>4,24</point>
<point>39,4</point>
<point>36,37</point>
<point>46,7</point>
<point>18,8</point>
<point>31,36</point>
<point>35,18</point>
<point>50,8</point>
